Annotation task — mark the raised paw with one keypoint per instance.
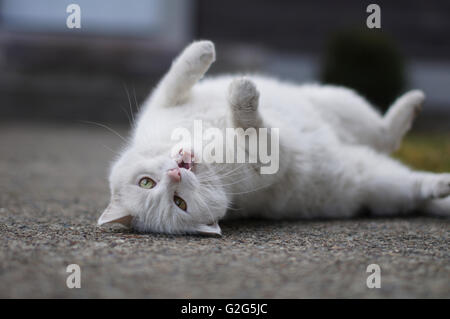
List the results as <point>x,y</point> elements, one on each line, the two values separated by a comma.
<point>186,70</point>
<point>243,95</point>
<point>243,98</point>
<point>401,115</point>
<point>414,99</point>
<point>200,54</point>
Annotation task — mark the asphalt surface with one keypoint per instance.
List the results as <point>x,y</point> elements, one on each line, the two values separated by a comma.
<point>53,187</point>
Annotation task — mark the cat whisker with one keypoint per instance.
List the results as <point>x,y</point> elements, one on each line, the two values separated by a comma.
<point>135,100</point>
<point>234,183</point>
<point>107,128</point>
<point>207,207</point>
<point>130,105</point>
<point>110,149</point>
<point>219,176</point>
<point>127,115</point>
<point>250,191</point>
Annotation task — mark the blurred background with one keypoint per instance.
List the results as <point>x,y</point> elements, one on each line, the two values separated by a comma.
<point>50,73</point>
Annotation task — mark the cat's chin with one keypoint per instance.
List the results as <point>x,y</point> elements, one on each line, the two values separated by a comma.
<point>187,174</point>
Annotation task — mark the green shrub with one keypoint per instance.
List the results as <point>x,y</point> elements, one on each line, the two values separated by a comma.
<point>368,62</point>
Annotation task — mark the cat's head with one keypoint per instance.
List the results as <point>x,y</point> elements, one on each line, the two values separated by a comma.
<point>155,192</point>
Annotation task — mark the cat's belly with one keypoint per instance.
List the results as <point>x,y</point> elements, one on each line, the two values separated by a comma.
<point>291,205</point>
<point>306,186</point>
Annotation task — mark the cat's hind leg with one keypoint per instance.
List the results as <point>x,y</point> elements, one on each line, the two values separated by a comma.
<point>397,193</point>
<point>400,116</point>
<point>387,187</point>
<point>438,207</point>
<point>355,120</point>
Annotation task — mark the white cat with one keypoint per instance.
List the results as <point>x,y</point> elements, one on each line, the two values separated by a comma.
<point>333,154</point>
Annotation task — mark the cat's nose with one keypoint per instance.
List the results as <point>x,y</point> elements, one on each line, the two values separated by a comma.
<point>174,175</point>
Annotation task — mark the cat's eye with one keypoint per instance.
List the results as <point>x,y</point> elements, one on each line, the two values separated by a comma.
<point>180,202</point>
<point>147,182</point>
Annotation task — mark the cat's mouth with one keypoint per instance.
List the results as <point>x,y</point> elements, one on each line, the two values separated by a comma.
<point>185,160</point>
<point>185,165</point>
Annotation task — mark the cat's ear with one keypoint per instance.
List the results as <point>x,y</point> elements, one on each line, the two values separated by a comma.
<point>115,214</point>
<point>209,230</point>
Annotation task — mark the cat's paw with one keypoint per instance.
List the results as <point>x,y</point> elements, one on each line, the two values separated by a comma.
<point>199,54</point>
<point>437,186</point>
<point>438,207</point>
<point>442,188</point>
<point>243,98</point>
<point>243,95</point>
<point>401,115</point>
<point>410,106</point>
<point>414,101</point>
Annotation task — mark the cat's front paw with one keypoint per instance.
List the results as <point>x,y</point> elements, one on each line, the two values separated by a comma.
<point>200,54</point>
<point>243,98</point>
<point>243,95</point>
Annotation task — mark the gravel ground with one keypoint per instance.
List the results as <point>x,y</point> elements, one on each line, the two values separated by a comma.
<point>53,187</point>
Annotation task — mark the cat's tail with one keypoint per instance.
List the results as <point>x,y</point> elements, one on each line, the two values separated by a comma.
<point>438,207</point>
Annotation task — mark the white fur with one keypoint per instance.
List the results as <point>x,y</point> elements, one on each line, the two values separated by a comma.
<point>333,153</point>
